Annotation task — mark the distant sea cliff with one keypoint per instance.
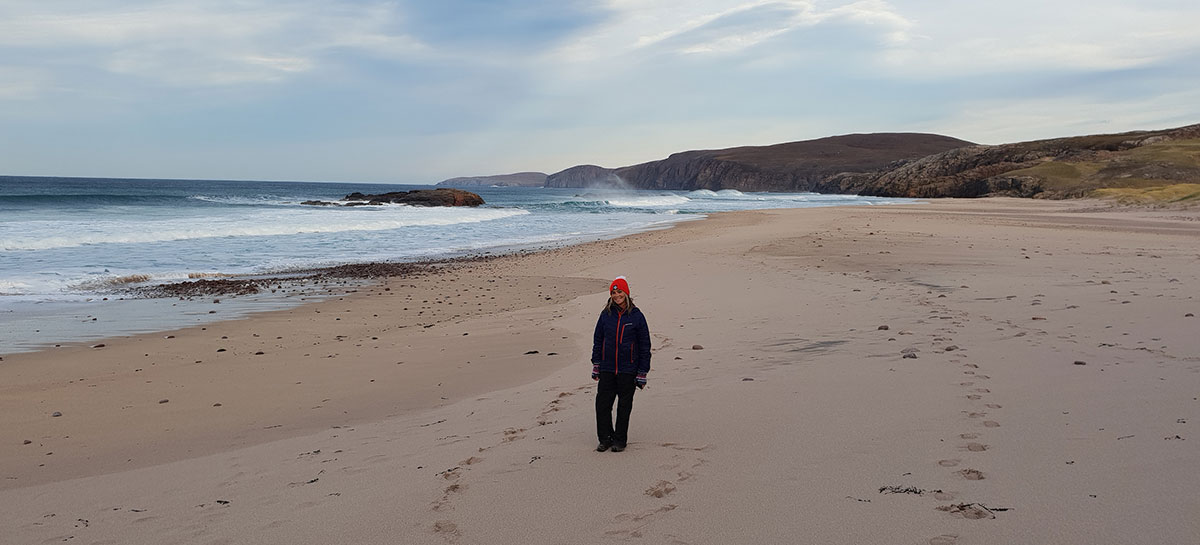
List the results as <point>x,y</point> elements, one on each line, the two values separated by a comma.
<point>519,179</point>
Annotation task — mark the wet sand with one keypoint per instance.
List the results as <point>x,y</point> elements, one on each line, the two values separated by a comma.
<point>984,371</point>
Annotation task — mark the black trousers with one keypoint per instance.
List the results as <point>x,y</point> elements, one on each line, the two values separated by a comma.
<point>619,387</point>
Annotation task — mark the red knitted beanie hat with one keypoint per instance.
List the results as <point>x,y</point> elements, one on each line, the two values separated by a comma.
<point>620,284</point>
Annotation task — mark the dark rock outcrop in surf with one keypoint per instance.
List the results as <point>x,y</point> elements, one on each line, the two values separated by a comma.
<point>422,197</point>
<point>417,197</point>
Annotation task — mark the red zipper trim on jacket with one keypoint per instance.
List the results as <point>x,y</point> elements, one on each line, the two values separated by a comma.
<point>617,348</point>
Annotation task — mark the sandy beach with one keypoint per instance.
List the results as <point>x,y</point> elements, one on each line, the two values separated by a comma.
<point>986,371</point>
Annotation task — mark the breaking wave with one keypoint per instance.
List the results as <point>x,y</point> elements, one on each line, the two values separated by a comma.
<point>73,234</point>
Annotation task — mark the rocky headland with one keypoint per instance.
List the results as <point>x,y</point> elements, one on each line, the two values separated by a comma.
<point>793,166</point>
<point>927,166</point>
<point>588,176</point>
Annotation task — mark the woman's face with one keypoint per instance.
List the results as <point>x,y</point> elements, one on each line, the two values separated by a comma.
<point>618,297</point>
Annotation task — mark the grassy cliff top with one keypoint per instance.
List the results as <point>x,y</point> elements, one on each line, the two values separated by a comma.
<point>1157,172</point>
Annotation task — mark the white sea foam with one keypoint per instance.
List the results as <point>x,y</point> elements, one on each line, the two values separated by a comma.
<point>648,201</point>
<point>14,287</point>
<point>257,201</point>
<point>68,234</point>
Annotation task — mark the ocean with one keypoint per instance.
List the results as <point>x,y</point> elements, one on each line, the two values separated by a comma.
<point>68,246</point>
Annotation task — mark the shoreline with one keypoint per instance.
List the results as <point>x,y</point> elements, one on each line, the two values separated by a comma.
<point>410,411</point>
<point>240,295</point>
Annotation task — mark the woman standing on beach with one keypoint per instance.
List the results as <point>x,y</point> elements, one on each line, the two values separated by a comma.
<point>620,361</point>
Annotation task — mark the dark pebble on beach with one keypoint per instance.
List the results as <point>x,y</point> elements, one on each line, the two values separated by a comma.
<point>259,353</point>
<point>97,346</point>
<point>161,401</point>
<point>1080,362</point>
<point>27,442</point>
<point>220,350</point>
<point>531,352</point>
<point>697,347</point>
<point>216,404</point>
<point>747,379</point>
<point>911,356</point>
<point>56,414</point>
<point>883,328</point>
<point>1189,315</point>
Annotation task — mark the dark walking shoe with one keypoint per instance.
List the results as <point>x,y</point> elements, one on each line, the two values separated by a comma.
<point>603,447</point>
<point>618,447</point>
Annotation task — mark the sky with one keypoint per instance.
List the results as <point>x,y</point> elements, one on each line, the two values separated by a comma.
<point>403,91</point>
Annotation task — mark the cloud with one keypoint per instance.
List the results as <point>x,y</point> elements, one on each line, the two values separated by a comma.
<point>214,43</point>
<point>721,27</point>
<point>181,67</point>
<point>21,83</point>
<point>1027,35</point>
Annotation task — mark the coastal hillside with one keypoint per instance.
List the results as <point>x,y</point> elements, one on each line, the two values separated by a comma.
<point>1155,165</point>
<point>792,166</point>
<point>519,179</point>
<point>1122,165</point>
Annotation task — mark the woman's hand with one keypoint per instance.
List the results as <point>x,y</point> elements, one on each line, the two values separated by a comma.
<point>595,371</point>
<point>641,380</point>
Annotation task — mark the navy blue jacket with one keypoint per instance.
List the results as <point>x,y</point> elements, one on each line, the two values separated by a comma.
<point>621,343</point>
